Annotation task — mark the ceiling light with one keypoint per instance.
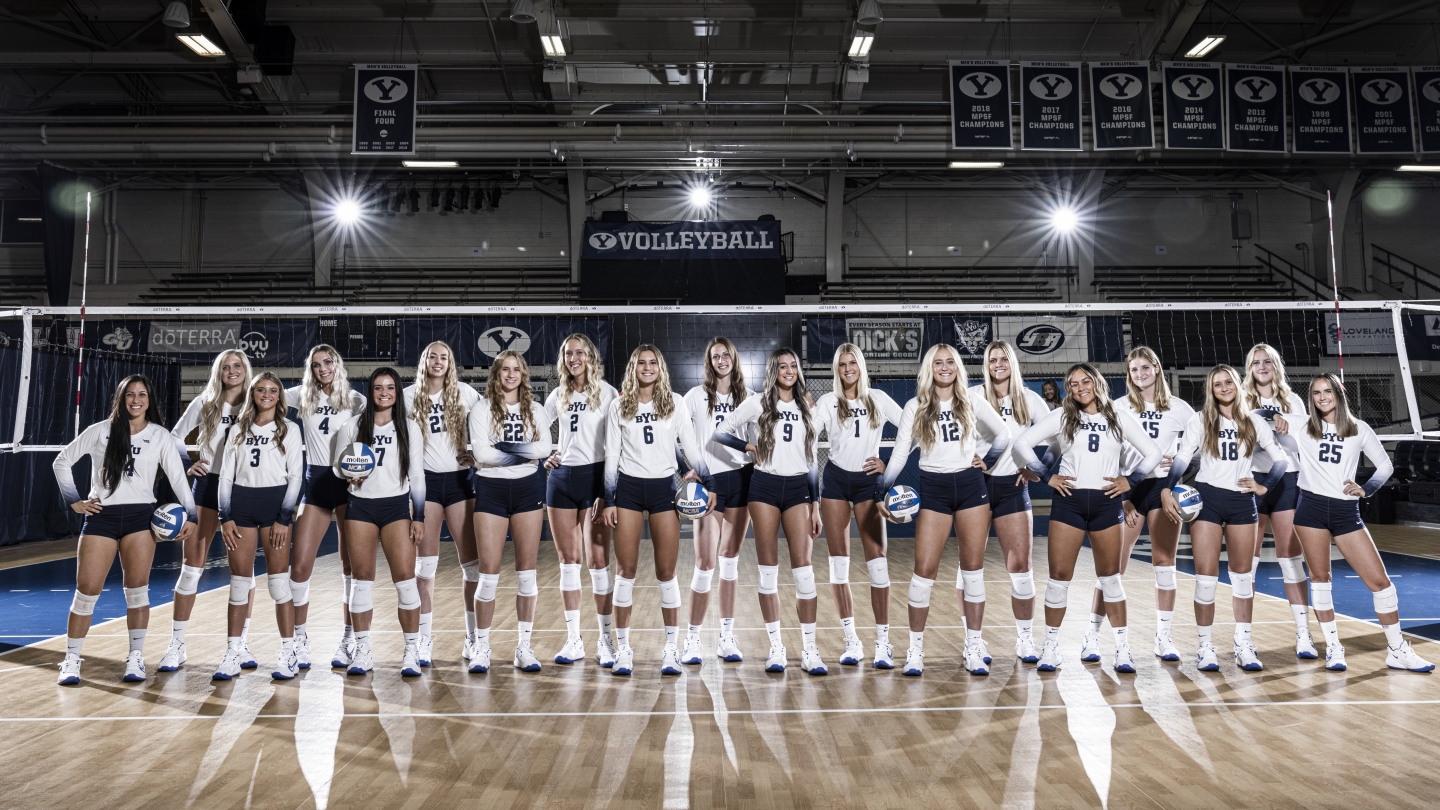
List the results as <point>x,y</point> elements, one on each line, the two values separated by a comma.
<point>860,45</point>
<point>553,44</point>
<point>976,164</point>
<point>200,44</point>
<point>29,219</point>
<point>347,211</point>
<point>1419,167</point>
<point>869,13</point>
<point>700,196</point>
<point>429,164</point>
<point>522,11</point>
<point>1064,220</point>
<point>1205,46</point>
<point>177,15</point>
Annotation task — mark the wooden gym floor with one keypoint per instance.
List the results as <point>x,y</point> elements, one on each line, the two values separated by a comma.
<point>726,735</point>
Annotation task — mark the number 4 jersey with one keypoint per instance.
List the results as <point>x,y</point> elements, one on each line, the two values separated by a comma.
<point>322,426</point>
<point>1328,462</point>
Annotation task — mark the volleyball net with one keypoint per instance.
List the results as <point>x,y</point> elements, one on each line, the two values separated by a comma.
<point>1391,350</point>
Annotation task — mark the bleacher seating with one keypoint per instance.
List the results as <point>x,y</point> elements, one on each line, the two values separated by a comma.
<point>22,291</point>
<point>276,287</point>
<point>1188,283</point>
<point>368,287</point>
<point>947,284</point>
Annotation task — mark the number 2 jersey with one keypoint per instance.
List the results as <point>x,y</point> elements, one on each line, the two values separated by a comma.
<point>581,425</point>
<point>1093,454</point>
<point>152,450</point>
<point>385,481</point>
<point>322,426</point>
<point>1328,462</point>
<point>440,452</point>
<point>504,451</point>
<point>1233,463</point>
<point>645,445</point>
<point>718,457</point>
<point>255,460</point>
<point>854,440</point>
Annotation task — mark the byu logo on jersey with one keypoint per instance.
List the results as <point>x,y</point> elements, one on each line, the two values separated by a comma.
<point>1381,91</point>
<point>1255,89</point>
<point>386,89</point>
<point>503,338</point>
<point>603,241</point>
<point>1121,86</point>
<point>972,334</point>
<point>255,344</point>
<point>1192,87</point>
<point>1051,86</point>
<point>1319,91</point>
<point>120,340</point>
<point>980,84</point>
<point>1040,339</point>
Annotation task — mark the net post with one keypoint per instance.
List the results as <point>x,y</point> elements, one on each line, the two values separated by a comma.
<point>1402,354</point>
<point>22,399</point>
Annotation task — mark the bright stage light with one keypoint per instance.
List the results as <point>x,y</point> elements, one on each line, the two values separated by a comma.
<point>347,212</point>
<point>701,196</point>
<point>1064,220</point>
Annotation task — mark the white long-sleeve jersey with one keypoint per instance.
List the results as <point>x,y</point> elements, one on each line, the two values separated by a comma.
<point>440,453</point>
<point>854,440</point>
<point>794,452</point>
<point>582,428</point>
<point>152,451</point>
<point>1233,463</point>
<point>1268,408</point>
<point>1034,403</point>
<point>1094,454</point>
<point>495,445</point>
<point>324,425</point>
<point>718,457</point>
<point>1328,462</point>
<point>1163,428</point>
<point>953,450</point>
<point>645,446</point>
<point>212,453</point>
<point>385,481</point>
<point>255,460</point>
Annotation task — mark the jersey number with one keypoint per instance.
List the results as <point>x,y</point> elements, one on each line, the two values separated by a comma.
<point>649,435</point>
<point>1229,451</point>
<point>1154,428</point>
<point>514,433</point>
<point>254,457</point>
<point>380,457</point>
<point>325,426</point>
<point>1330,452</point>
<point>949,432</point>
<point>789,431</point>
<point>436,423</point>
<point>574,423</point>
<point>1094,442</point>
<point>857,427</point>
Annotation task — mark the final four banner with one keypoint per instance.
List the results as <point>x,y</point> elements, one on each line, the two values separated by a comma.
<point>1255,108</point>
<point>1050,105</point>
<point>477,341</point>
<point>384,120</point>
<point>1322,110</point>
<point>1120,113</point>
<point>980,104</point>
<point>682,240</point>
<point>1383,123</point>
<point>1427,101</point>
<point>1194,108</point>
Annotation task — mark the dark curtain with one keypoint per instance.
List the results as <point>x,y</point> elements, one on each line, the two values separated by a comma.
<point>58,209</point>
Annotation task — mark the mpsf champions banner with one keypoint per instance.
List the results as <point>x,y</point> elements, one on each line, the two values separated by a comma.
<point>1427,100</point>
<point>980,104</point>
<point>1255,103</point>
<point>1322,109</point>
<point>1050,105</point>
<point>1194,106</point>
<point>1383,122</point>
<point>630,241</point>
<point>1120,112</point>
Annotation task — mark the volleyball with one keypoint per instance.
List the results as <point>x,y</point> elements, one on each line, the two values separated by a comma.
<point>167,521</point>
<point>691,500</point>
<point>903,503</point>
<point>1189,501</point>
<point>357,462</point>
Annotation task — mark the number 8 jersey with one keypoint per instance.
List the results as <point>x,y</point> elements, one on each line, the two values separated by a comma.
<point>1328,462</point>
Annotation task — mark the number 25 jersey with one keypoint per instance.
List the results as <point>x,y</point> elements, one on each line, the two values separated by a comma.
<point>1328,462</point>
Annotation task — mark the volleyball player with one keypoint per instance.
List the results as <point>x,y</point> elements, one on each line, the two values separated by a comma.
<point>260,482</point>
<point>126,451</point>
<point>853,416</point>
<point>1163,416</point>
<point>723,530</point>
<point>1267,390</point>
<point>574,489</point>
<point>642,426</point>
<point>324,403</point>
<point>1003,388</point>
<point>508,500</point>
<point>943,421</point>
<point>1092,436</point>
<point>1227,436</point>
<point>1329,443</point>
<point>448,483</point>
<point>385,508</point>
<point>212,412</point>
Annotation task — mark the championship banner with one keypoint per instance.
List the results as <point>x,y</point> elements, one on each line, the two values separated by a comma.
<point>1194,108</point>
<point>1255,108</point>
<point>1427,101</point>
<point>980,105</point>
<point>1322,110</point>
<point>1365,333</point>
<point>1120,113</point>
<point>477,341</point>
<point>1050,105</point>
<point>384,120</point>
<point>1383,122</point>
<point>629,241</point>
<point>886,339</point>
<point>265,342</point>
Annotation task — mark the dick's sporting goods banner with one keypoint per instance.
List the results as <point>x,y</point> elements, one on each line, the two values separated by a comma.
<point>980,104</point>
<point>1050,105</point>
<point>1194,106</point>
<point>1427,101</point>
<point>1383,122</point>
<point>1255,108</point>
<point>1120,112</point>
<point>628,241</point>
<point>1321,116</point>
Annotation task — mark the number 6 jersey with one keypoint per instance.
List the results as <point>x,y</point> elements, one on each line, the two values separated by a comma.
<point>1328,462</point>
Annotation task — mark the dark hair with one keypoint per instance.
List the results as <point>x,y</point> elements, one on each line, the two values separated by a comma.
<point>366,431</point>
<point>117,452</point>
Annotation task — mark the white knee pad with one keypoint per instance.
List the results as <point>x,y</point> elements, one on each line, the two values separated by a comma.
<point>1242,586</point>
<point>1320,595</point>
<point>425,567</point>
<point>973,584</point>
<point>239,590</point>
<point>360,601</point>
<point>527,583</point>
<point>1022,586</point>
<point>1292,569</point>
<point>769,578</point>
<point>1057,593</point>
<point>252,582</point>
<point>136,598</point>
<point>1165,577</point>
<point>569,576</point>
<point>600,581</point>
<point>804,577</point>
<point>1112,588</point>
<point>839,570</point>
<point>408,593</point>
<point>1205,589</point>
<point>879,569</point>
<point>279,586</point>
<point>470,571</point>
<point>670,593</point>
<point>700,580</point>
<point>347,587</point>
<point>624,592</point>
<point>83,605</point>
<point>485,591</point>
<point>920,591</point>
<point>730,568</point>
<point>299,592</point>
<point>1386,601</point>
<point>189,580</point>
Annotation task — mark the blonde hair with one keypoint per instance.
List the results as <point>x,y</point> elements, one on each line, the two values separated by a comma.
<point>928,410</point>
<point>711,383</point>
<point>248,413</point>
<point>862,386</point>
<point>310,389</point>
<point>770,405</point>
<point>1210,416</point>
<point>212,399</point>
<point>1280,384</point>
<point>455,422</point>
<point>1344,421</point>
<point>662,399</point>
<point>523,395</point>
<point>594,372</point>
<point>1070,422</point>
<point>1162,387</point>
<point>1018,407</point>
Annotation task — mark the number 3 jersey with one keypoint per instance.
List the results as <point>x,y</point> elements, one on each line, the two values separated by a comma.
<point>440,452</point>
<point>1163,428</point>
<point>582,425</point>
<point>385,481</point>
<point>322,426</point>
<point>152,450</point>
<point>256,460</point>
<point>485,435</point>
<point>1328,462</point>
<point>953,450</point>
<point>1233,463</point>
<point>1094,453</point>
<point>794,452</point>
